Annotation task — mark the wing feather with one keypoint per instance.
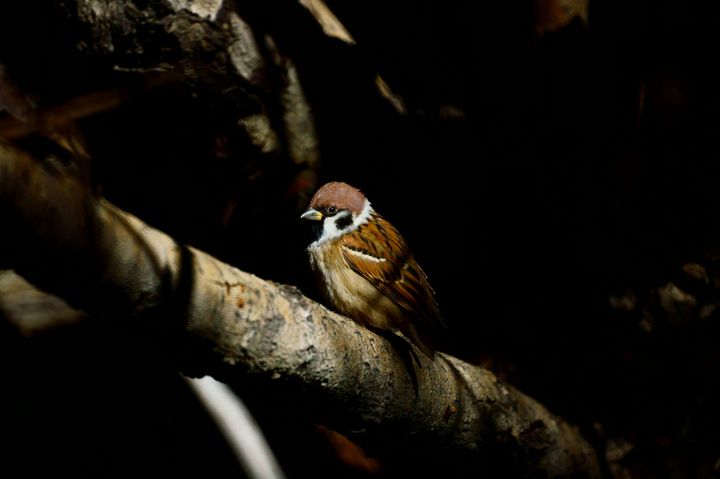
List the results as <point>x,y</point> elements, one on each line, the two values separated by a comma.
<point>378,253</point>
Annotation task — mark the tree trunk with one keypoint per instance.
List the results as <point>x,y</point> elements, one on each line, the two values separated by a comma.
<point>449,413</point>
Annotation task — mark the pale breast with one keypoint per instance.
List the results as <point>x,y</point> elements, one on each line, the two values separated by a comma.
<point>348,292</point>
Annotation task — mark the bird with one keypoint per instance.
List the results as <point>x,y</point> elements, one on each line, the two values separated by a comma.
<point>365,268</point>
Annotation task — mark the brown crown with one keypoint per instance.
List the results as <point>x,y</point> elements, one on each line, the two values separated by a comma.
<point>338,194</point>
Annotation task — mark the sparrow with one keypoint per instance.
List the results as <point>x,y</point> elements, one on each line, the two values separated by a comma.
<point>366,270</point>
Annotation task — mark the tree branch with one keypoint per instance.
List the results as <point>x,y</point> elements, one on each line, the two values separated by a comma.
<point>102,259</point>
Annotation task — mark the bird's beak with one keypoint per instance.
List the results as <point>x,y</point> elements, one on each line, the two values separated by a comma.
<point>311,214</point>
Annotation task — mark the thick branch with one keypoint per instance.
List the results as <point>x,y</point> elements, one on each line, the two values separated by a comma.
<point>458,415</point>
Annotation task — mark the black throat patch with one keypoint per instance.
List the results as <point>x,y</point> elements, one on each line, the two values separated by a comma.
<point>317,229</point>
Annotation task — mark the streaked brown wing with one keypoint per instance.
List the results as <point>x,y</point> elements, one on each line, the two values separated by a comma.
<point>378,253</point>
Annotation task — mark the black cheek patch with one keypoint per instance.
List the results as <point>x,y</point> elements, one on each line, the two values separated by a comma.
<point>344,221</point>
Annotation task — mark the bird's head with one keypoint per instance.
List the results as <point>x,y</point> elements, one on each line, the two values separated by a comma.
<point>335,209</point>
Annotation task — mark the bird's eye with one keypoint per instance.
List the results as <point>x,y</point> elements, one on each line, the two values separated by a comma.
<point>332,210</point>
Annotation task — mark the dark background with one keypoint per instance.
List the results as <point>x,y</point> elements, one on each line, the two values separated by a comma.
<point>537,175</point>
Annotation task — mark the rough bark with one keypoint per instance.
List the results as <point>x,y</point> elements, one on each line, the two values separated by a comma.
<point>102,259</point>
<point>211,46</point>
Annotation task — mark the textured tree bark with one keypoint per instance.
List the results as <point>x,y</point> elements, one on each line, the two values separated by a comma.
<point>102,259</point>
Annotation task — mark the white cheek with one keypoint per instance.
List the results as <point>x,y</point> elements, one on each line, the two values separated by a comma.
<point>331,230</point>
